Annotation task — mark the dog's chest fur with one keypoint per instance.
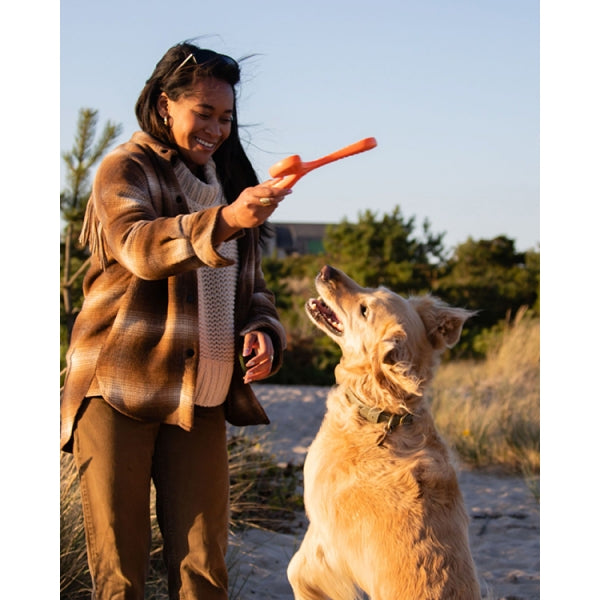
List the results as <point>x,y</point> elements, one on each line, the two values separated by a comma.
<point>409,469</point>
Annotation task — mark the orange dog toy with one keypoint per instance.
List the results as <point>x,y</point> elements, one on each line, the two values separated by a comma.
<point>292,168</point>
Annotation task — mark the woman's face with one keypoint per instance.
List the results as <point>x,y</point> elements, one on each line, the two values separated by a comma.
<point>200,120</point>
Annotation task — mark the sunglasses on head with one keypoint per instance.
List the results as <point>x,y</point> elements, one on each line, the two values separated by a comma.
<point>212,57</point>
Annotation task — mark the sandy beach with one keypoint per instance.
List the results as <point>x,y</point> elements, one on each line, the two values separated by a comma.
<point>504,513</point>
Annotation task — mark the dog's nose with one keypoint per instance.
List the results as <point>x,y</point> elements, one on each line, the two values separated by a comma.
<point>327,273</point>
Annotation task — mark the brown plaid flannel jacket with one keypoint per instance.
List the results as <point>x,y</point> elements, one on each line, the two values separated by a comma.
<point>137,331</point>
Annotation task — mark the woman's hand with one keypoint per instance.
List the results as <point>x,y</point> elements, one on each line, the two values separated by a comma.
<point>251,209</point>
<point>260,365</point>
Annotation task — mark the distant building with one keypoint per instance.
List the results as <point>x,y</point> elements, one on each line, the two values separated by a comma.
<point>296,238</point>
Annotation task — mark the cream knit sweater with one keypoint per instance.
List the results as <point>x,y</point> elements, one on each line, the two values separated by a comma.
<point>216,295</point>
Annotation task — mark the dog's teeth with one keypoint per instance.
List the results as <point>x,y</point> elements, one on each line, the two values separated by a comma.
<point>318,305</point>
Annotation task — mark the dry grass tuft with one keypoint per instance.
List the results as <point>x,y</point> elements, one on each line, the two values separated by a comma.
<point>74,574</point>
<point>489,411</point>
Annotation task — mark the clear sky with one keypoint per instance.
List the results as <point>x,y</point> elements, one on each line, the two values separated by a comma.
<point>450,90</point>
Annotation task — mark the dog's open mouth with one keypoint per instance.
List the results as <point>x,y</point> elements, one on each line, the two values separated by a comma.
<point>322,314</point>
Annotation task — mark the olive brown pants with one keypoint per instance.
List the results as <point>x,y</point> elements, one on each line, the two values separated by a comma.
<point>117,458</point>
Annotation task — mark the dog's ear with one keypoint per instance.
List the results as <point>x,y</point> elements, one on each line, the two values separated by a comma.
<point>443,323</point>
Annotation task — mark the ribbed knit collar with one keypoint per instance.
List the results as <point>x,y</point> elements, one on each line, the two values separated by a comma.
<point>199,193</point>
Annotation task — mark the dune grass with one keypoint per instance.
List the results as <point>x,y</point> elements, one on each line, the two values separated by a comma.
<point>489,411</point>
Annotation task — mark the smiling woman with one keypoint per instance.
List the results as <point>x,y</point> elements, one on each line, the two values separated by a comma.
<point>176,323</point>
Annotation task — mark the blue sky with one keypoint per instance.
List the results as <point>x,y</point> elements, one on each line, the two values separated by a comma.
<point>450,90</point>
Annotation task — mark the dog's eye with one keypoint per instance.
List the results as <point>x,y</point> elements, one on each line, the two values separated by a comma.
<point>364,311</point>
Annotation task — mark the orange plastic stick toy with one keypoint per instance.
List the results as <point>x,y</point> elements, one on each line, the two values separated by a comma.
<point>292,168</point>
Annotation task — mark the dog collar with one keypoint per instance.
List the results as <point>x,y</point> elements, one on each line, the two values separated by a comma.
<point>374,415</point>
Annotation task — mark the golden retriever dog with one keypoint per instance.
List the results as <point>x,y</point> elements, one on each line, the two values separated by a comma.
<point>386,515</point>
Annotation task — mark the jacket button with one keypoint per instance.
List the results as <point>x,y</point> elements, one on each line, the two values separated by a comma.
<point>189,352</point>
<point>179,199</point>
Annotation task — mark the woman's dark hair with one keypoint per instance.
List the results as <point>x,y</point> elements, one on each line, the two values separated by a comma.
<point>177,71</point>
